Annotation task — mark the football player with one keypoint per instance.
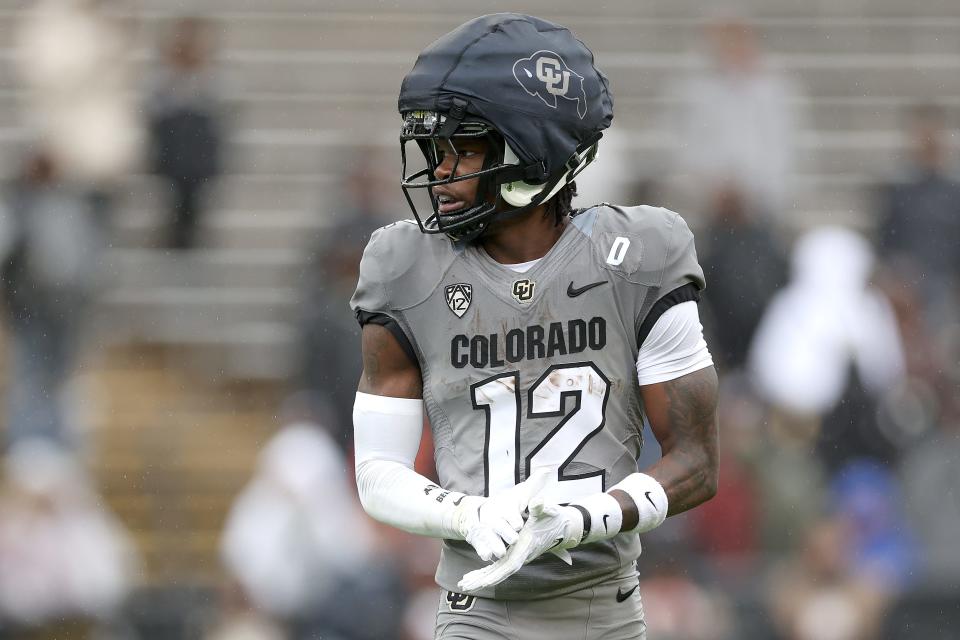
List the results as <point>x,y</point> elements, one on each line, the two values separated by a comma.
<point>536,338</point>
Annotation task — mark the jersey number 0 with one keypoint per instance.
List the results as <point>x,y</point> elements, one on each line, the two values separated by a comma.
<point>499,397</point>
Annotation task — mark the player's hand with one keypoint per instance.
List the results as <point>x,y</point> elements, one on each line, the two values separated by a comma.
<point>490,524</point>
<point>551,527</point>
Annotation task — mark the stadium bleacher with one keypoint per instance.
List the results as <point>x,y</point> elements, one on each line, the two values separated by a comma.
<point>309,81</point>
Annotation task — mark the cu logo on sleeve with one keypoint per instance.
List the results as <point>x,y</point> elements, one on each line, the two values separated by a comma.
<point>460,601</point>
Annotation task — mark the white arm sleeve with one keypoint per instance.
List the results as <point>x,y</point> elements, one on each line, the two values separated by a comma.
<point>674,347</point>
<point>387,436</point>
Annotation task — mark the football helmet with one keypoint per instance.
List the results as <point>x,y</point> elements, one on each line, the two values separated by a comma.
<point>525,85</point>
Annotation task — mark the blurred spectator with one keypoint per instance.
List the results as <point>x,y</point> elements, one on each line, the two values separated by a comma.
<point>677,608</point>
<point>816,596</point>
<point>744,267</point>
<point>828,321</point>
<point>880,545</point>
<point>790,478</point>
<point>74,61</point>
<point>735,122</point>
<point>330,335</point>
<point>931,485</point>
<point>186,123</point>
<point>62,555</point>
<point>54,241</point>
<point>919,230</point>
<point>726,528</point>
<point>929,397</point>
<point>922,357</point>
<point>301,548</point>
<point>240,620</point>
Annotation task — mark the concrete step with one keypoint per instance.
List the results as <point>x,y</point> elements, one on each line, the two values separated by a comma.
<point>612,8</point>
<point>426,11</point>
<point>288,169</point>
<point>140,513</point>
<point>141,270</point>
<point>377,112</point>
<point>141,223</point>
<point>348,112</point>
<point>198,314</point>
<point>226,229</point>
<point>629,32</point>
<point>292,152</point>
<point>264,191</point>
<point>352,113</point>
<point>260,351</point>
<point>172,450</point>
<point>211,302</point>
<point>632,72</point>
<point>633,29</point>
<point>230,227</point>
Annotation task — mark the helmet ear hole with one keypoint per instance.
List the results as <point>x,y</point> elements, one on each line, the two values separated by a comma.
<point>521,193</point>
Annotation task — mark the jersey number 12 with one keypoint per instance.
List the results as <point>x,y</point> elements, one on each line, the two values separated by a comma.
<point>499,397</point>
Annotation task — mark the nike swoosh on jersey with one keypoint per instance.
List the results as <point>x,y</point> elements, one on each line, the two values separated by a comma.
<point>457,502</point>
<point>605,516</point>
<point>621,596</point>
<point>573,292</point>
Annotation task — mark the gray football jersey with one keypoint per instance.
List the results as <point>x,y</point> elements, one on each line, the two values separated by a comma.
<point>535,369</point>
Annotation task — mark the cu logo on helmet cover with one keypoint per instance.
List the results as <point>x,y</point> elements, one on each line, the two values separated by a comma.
<point>523,290</point>
<point>547,76</point>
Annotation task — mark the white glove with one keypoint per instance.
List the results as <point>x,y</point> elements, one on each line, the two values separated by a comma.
<point>490,524</point>
<point>550,527</point>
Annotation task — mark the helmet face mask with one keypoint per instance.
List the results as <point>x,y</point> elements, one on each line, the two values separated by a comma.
<point>433,132</point>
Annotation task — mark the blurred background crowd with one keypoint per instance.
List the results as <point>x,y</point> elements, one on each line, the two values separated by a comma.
<point>189,187</point>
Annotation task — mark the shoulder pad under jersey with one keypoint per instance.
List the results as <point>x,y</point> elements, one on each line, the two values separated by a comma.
<point>645,245</point>
<point>400,267</point>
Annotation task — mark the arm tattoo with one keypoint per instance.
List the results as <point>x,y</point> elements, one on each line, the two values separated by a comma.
<point>387,371</point>
<point>373,347</point>
<point>683,415</point>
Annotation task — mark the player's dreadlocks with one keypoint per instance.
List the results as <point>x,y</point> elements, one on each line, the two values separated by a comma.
<point>561,204</point>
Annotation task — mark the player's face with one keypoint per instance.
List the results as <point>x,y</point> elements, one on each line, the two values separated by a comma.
<point>458,195</point>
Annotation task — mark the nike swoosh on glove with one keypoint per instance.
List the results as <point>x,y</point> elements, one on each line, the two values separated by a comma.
<point>490,524</point>
<point>551,527</point>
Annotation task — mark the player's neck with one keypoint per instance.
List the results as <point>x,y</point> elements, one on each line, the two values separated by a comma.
<point>522,239</point>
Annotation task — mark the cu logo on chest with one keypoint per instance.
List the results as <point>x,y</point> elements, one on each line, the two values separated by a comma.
<point>523,290</point>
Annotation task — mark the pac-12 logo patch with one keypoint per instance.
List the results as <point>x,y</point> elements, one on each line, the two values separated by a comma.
<point>523,290</point>
<point>460,601</point>
<point>546,75</point>
<point>458,297</point>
